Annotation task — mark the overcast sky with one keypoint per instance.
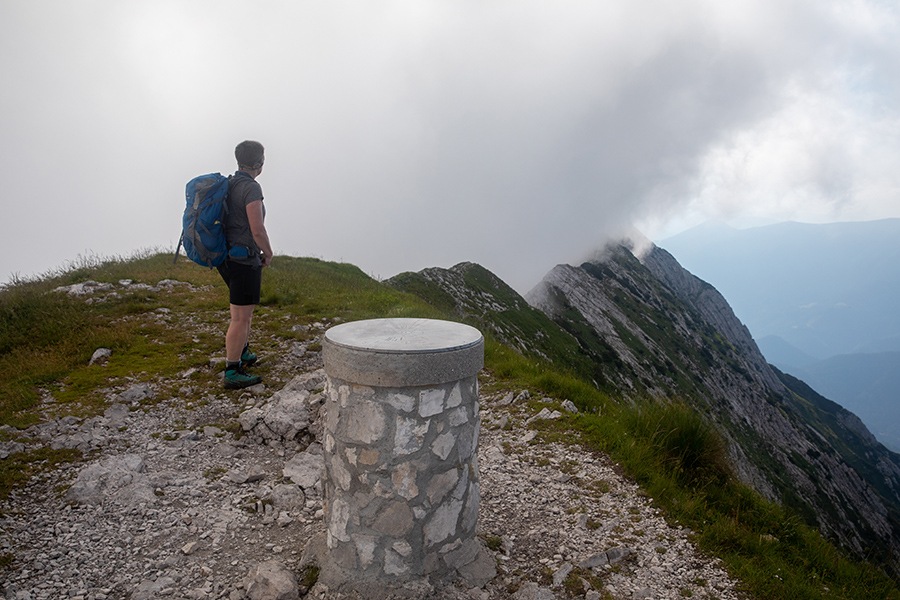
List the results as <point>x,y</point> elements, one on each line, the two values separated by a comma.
<point>401,135</point>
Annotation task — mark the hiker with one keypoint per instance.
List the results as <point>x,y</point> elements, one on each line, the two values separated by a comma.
<point>249,251</point>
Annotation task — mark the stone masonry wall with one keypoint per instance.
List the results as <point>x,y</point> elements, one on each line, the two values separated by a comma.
<point>402,490</point>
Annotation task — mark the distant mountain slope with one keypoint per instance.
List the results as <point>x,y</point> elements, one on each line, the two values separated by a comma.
<point>781,354</point>
<point>825,289</point>
<point>674,336</point>
<point>866,384</point>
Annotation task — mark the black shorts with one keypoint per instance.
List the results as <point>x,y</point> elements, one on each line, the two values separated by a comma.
<point>243,281</point>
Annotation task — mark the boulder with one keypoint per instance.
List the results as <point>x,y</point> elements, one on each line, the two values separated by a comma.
<point>286,415</point>
<point>100,355</point>
<point>270,580</point>
<point>148,589</point>
<point>532,591</point>
<point>288,496</point>
<point>120,477</point>
<point>136,393</point>
<point>306,469</point>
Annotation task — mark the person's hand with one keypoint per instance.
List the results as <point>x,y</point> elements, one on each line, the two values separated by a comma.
<point>266,259</point>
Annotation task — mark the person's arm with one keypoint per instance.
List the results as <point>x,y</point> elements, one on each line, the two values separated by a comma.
<point>258,229</point>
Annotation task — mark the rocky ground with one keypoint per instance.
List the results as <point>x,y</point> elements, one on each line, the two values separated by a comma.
<point>218,498</point>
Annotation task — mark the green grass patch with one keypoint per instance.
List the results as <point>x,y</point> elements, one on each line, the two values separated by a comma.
<point>315,289</point>
<point>493,542</point>
<point>47,337</point>
<point>309,575</point>
<point>18,469</point>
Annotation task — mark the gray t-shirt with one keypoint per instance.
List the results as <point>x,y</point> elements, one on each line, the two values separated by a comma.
<point>242,190</point>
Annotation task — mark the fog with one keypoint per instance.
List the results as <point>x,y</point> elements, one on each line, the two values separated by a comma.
<point>403,135</point>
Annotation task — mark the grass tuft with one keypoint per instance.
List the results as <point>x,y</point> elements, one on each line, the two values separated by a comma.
<point>683,443</point>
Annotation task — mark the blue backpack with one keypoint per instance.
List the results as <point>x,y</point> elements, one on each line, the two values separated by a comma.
<point>203,223</point>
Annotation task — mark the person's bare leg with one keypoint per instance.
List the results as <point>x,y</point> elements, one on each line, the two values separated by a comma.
<point>238,331</point>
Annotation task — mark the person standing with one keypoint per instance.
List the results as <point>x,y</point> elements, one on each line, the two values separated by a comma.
<point>249,251</point>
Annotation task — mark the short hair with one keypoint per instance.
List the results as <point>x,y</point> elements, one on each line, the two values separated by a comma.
<point>250,155</point>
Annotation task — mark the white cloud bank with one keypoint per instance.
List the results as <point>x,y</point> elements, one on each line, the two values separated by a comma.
<point>401,135</point>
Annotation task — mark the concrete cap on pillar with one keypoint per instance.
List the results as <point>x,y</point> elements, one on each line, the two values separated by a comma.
<point>402,352</point>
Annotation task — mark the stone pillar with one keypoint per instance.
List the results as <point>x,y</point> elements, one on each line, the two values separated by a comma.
<point>400,440</point>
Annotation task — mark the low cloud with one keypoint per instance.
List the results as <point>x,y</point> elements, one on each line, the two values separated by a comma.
<point>403,135</point>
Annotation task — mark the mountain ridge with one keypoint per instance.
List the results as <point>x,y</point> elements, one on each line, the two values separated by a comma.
<point>675,336</point>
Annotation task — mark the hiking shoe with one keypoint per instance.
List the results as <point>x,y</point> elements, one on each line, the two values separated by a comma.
<point>236,379</point>
<point>247,357</point>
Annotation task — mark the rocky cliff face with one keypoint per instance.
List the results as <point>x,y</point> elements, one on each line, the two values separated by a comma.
<point>647,327</point>
<point>670,326</point>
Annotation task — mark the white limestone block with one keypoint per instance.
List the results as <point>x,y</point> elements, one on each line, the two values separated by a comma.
<point>409,435</point>
<point>443,522</point>
<point>365,422</point>
<point>443,445</point>
<point>431,402</point>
